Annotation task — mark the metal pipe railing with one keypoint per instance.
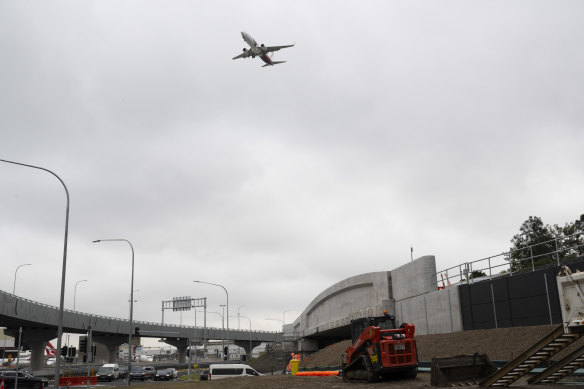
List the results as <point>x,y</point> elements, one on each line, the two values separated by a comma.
<point>466,269</point>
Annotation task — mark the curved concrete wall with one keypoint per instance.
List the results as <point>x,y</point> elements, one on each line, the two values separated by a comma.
<point>408,292</point>
<point>337,305</point>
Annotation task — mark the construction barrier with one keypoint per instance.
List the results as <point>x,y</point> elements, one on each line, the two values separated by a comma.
<point>324,373</point>
<point>72,381</point>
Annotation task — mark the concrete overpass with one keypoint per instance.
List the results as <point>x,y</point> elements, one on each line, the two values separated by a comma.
<point>408,292</point>
<point>39,324</point>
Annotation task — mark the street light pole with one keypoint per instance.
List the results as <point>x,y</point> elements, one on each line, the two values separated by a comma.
<point>14,286</point>
<point>250,348</point>
<point>238,324</point>
<point>222,326</point>
<point>75,293</point>
<point>131,303</point>
<point>227,294</point>
<point>63,272</point>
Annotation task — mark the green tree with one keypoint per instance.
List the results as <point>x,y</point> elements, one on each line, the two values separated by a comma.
<point>572,243</point>
<point>477,274</point>
<point>535,242</point>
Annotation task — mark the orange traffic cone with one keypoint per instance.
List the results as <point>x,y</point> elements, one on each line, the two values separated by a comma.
<point>2,384</point>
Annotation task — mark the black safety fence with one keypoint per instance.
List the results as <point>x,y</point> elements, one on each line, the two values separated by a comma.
<point>522,299</point>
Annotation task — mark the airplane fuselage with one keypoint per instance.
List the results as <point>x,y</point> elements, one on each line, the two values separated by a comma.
<point>255,49</point>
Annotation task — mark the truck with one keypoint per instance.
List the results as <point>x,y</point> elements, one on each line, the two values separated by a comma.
<point>380,350</point>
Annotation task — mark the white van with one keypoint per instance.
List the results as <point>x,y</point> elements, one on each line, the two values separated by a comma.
<point>109,371</point>
<point>218,371</point>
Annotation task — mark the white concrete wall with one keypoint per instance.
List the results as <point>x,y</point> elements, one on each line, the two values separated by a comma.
<point>358,296</point>
<point>408,292</point>
<point>414,278</point>
<point>436,312</point>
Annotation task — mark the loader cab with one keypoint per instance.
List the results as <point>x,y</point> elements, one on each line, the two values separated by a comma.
<point>385,322</point>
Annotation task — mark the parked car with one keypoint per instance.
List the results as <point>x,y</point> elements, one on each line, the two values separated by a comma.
<point>173,372</point>
<point>163,375</point>
<point>137,373</point>
<point>150,371</point>
<point>25,380</point>
<point>204,376</point>
<point>123,371</point>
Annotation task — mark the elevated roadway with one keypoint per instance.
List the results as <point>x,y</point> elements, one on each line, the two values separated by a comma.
<point>39,323</point>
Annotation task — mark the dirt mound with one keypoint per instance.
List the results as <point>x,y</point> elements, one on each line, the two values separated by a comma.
<point>328,356</point>
<point>270,361</point>
<point>498,343</point>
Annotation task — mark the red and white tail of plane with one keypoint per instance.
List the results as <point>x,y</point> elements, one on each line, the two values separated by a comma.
<point>50,350</point>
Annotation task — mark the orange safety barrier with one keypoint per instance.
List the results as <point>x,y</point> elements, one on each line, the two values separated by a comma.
<point>324,373</point>
<point>72,381</point>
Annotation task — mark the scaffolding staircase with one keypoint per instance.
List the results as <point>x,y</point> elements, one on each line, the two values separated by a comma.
<point>560,369</point>
<point>541,351</point>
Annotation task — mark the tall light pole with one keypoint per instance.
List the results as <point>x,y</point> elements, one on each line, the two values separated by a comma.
<point>227,294</point>
<point>14,286</point>
<point>222,326</point>
<point>131,303</point>
<point>238,324</point>
<point>250,348</point>
<point>62,298</point>
<point>75,293</point>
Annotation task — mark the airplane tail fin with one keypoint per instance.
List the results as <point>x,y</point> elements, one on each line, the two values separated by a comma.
<point>50,350</point>
<point>273,63</point>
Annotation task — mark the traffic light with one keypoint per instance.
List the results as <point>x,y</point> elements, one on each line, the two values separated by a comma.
<point>137,331</point>
<point>83,345</point>
<point>72,352</point>
<point>64,351</point>
<point>225,353</point>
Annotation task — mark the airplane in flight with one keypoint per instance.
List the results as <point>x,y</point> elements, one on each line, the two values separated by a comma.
<point>260,51</point>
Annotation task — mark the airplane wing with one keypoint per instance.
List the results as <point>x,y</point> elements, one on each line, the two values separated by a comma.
<point>245,54</point>
<point>276,48</point>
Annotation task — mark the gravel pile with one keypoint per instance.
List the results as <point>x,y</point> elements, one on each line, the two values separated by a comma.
<point>499,344</point>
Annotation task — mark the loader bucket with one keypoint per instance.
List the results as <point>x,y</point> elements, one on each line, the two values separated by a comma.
<point>461,370</point>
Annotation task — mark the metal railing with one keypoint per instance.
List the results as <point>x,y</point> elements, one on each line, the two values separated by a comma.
<point>504,264</point>
<point>135,322</point>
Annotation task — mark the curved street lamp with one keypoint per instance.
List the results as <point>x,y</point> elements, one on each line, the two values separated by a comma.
<point>131,302</point>
<point>75,293</point>
<point>62,298</point>
<point>222,326</point>
<point>238,323</point>
<point>227,294</point>
<point>14,287</point>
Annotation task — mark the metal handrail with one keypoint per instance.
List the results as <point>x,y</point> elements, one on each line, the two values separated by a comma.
<point>138,322</point>
<point>464,270</point>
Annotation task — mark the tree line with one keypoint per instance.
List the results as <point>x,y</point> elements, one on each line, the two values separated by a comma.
<point>537,244</point>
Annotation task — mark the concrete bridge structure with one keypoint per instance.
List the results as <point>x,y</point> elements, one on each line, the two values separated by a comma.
<point>39,324</point>
<point>410,293</point>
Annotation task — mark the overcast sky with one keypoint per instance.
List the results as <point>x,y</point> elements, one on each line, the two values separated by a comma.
<point>438,125</point>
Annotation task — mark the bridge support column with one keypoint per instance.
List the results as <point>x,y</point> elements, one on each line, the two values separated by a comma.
<point>37,350</point>
<point>37,339</point>
<point>112,344</point>
<point>247,346</point>
<point>181,345</point>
